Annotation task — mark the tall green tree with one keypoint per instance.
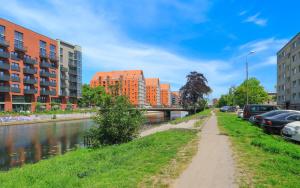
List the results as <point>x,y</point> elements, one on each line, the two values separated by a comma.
<point>256,92</point>
<point>92,96</point>
<point>194,91</point>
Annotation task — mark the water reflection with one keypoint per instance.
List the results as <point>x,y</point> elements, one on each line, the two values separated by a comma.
<point>24,144</point>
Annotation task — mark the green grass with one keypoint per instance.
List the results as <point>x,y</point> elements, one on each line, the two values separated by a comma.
<point>265,160</point>
<point>124,165</point>
<point>205,112</point>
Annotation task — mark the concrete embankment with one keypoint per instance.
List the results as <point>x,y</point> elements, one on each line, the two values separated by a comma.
<point>44,118</point>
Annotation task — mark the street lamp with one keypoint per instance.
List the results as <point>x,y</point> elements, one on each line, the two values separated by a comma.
<point>252,52</point>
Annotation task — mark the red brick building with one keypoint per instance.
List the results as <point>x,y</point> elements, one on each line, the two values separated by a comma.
<point>153,92</point>
<point>165,95</point>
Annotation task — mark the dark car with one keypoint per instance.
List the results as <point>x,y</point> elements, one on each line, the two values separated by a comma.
<point>228,109</point>
<point>256,109</point>
<point>274,124</point>
<point>258,119</point>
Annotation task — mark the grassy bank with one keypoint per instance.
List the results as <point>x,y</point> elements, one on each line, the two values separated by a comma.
<point>205,112</point>
<point>125,165</point>
<point>265,160</point>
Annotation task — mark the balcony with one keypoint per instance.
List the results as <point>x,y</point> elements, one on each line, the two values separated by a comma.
<point>30,91</point>
<point>5,77</point>
<point>44,74</point>
<point>29,71</point>
<point>63,93</point>
<point>3,42</point>
<point>14,57</point>
<point>63,69</point>
<point>62,77</point>
<point>45,65</point>
<point>53,66</point>
<point>71,71</point>
<point>29,81</point>
<point>15,79</point>
<point>63,85</point>
<point>19,46</point>
<point>72,64</point>
<point>72,87</point>
<point>15,68</point>
<point>53,57</point>
<point>15,90</point>
<point>44,83</point>
<point>4,66</point>
<point>73,95</point>
<point>72,79</point>
<point>52,75</point>
<point>53,92</point>
<point>4,89</point>
<point>4,54</point>
<point>29,60</point>
<point>53,84</point>
<point>45,92</point>
<point>43,54</point>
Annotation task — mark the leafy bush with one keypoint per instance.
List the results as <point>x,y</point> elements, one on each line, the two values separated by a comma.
<point>116,122</point>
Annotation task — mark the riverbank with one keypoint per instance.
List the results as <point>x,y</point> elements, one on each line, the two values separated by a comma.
<point>125,165</point>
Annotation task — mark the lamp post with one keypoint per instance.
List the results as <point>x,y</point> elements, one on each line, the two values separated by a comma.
<point>247,95</point>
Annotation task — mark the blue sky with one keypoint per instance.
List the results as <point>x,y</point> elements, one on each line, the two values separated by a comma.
<point>168,38</point>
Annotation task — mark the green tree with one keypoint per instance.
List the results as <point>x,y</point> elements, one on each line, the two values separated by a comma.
<point>92,96</point>
<point>117,122</point>
<point>256,92</point>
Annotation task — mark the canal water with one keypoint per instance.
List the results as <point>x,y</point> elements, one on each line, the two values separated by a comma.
<point>23,144</point>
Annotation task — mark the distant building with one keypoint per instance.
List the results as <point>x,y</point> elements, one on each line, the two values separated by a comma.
<point>153,92</point>
<point>288,74</point>
<point>165,95</point>
<point>130,83</point>
<point>215,102</point>
<point>175,98</point>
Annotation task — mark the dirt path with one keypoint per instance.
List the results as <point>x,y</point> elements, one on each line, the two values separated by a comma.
<point>213,165</point>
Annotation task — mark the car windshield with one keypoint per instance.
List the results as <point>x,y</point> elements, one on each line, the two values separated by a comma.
<point>274,113</point>
<point>284,115</point>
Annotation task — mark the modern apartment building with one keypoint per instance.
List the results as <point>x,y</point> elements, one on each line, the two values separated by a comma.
<point>165,95</point>
<point>153,92</point>
<point>29,69</point>
<point>130,83</point>
<point>70,77</point>
<point>288,74</point>
<point>175,98</point>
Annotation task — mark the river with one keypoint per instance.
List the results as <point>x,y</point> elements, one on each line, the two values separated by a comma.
<point>24,144</point>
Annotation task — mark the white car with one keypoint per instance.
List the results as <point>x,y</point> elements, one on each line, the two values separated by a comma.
<point>292,131</point>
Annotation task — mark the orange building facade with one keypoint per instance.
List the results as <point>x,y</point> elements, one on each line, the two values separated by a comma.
<point>165,95</point>
<point>130,83</point>
<point>28,68</point>
<point>153,92</point>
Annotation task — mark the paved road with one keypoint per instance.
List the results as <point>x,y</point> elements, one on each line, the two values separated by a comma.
<point>213,165</point>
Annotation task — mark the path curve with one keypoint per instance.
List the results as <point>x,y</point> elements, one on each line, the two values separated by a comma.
<point>213,165</point>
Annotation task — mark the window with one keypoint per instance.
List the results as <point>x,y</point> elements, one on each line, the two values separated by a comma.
<point>293,58</point>
<point>15,85</point>
<point>52,50</point>
<point>294,83</point>
<point>18,39</point>
<point>43,46</point>
<point>294,70</point>
<point>2,32</point>
<point>294,96</point>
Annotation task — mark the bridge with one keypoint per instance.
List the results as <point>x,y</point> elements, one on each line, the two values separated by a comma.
<point>166,110</point>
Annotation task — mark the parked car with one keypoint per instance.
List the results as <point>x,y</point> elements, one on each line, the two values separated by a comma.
<point>224,108</point>
<point>240,113</point>
<point>256,109</point>
<point>292,131</point>
<point>274,124</point>
<point>228,109</point>
<point>258,119</point>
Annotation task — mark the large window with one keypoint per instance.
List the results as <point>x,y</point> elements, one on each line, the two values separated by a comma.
<point>52,51</point>
<point>43,46</point>
<point>18,39</point>
<point>2,32</point>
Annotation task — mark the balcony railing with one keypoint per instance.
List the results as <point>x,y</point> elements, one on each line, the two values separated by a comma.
<point>44,83</point>
<point>29,60</point>
<point>52,75</point>
<point>43,54</point>
<point>44,92</point>
<point>45,65</point>
<point>30,91</point>
<point>15,90</point>
<point>71,71</point>
<point>14,57</point>
<point>53,84</point>
<point>53,66</point>
<point>73,95</point>
<point>63,93</point>
<point>71,79</point>
<point>29,71</point>
<point>4,66</point>
<point>30,81</point>
<point>3,42</point>
<point>4,89</point>
<point>53,57</point>
<point>4,54</point>
<point>72,87</point>
<point>19,46</point>
<point>63,85</point>
<point>15,79</point>
<point>4,77</point>
<point>44,74</point>
<point>63,69</point>
<point>15,68</point>
<point>53,92</point>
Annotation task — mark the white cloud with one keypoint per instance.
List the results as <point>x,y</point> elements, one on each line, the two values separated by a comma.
<point>256,20</point>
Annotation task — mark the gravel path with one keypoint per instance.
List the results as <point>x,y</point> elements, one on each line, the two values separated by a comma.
<point>213,165</point>
<point>167,126</point>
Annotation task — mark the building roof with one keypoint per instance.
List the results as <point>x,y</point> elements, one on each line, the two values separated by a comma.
<point>165,86</point>
<point>152,81</point>
<point>289,42</point>
<point>117,74</point>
